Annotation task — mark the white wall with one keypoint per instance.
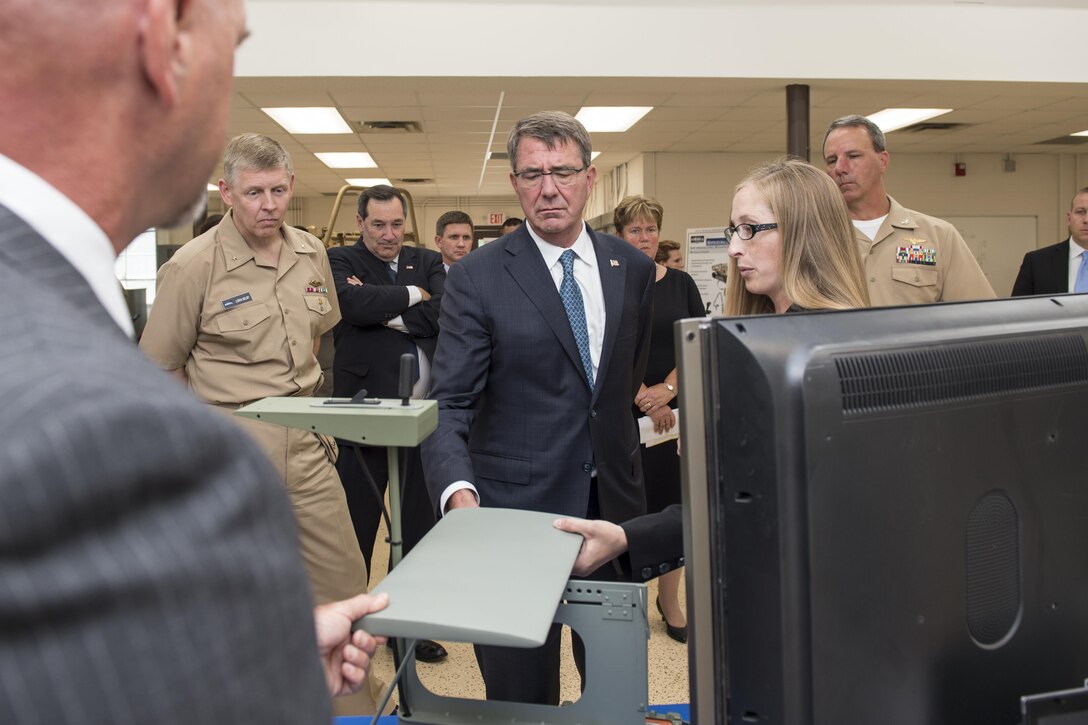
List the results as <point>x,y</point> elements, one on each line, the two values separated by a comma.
<point>696,189</point>
<point>1000,40</point>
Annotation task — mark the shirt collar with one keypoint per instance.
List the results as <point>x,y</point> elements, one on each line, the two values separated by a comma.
<point>235,250</point>
<point>583,248</point>
<point>1075,250</point>
<point>69,230</point>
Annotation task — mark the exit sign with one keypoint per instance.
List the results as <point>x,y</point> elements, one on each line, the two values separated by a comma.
<point>496,218</point>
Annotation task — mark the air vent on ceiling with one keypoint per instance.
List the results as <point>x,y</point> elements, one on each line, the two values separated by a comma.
<point>1064,141</point>
<point>499,156</point>
<point>389,127</point>
<point>415,181</point>
<point>935,126</point>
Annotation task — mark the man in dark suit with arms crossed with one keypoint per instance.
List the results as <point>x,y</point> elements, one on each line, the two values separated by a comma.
<point>1061,267</point>
<point>389,299</point>
<point>151,570</point>
<point>543,344</point>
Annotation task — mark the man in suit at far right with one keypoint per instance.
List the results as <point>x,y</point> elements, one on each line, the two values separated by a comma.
<point>1061,267</point>
<point>910,258</point>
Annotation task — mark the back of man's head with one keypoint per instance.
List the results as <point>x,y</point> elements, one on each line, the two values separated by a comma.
<point>254,152</point>
<point>511,224</point>
<point>139,88</point>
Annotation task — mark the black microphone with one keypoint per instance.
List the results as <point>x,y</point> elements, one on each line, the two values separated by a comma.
<point>407,370</point>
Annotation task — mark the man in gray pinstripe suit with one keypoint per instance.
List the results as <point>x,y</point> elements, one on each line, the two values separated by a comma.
<point>149,569</point>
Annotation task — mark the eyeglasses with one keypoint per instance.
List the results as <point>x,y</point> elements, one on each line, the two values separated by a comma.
<point>535,177</point>
<point>747,231</point>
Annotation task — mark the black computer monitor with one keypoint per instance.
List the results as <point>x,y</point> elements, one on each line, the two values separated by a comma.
<point>893,523</point>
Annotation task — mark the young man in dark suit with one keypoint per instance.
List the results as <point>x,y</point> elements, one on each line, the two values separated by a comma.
<point>389,299</point>
<point>543,344</point>
<point>151,571</point>
<point>1061,267</point>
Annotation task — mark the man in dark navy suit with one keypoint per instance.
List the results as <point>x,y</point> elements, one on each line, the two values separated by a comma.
<point>543,344</point>
<point>1057,268</point>
<point>389,298</point>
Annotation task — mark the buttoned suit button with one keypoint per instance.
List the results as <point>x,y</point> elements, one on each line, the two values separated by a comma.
<point>587,467</point>
<point>664,569</point>
<point>680,562</point>
<point>647,572</point>
<point>593,413</point>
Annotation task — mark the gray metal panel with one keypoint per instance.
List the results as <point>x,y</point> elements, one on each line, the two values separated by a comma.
<point>690,354</point>
<point>610,617</point>
<point>387,424</point>
<point>483,575</point>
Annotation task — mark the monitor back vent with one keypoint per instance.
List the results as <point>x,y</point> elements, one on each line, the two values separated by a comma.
<point>888,381</point>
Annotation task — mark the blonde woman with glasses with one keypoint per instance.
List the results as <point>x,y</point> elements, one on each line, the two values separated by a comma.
<point>791,244</point>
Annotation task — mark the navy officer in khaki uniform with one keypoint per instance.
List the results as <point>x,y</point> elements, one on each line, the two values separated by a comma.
<point>910,258</point>
<point>239,313</point>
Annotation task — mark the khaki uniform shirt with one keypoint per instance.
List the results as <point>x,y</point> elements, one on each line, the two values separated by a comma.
<point>242,330</point>
<point>917,259</point>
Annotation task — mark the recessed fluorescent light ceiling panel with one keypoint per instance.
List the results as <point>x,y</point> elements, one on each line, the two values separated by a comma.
<point>594,155</point>
<point>892,119</point>
<point>309,120</point>
<point>611,119</point>
<point>368,182</point>
<point>212,187</point>
<point>1079,133</point>
<point>347,160</point>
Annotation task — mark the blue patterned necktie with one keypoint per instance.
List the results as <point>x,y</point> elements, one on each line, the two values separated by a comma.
<point>576,312</point>
<point>392,271</point>
<point>1081,285</point>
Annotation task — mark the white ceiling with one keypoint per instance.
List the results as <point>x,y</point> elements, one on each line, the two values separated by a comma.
<point>691,115</point>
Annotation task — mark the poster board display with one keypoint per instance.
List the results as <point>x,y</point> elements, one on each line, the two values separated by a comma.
<point>707,257</point>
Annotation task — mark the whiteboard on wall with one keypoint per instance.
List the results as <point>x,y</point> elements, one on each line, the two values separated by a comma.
<point>999,243</point>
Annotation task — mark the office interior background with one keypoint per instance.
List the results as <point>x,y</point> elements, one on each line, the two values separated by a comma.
<point>429,90</point>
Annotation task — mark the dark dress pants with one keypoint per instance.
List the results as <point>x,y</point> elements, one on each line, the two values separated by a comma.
<point>532,675</point>
<point>417,514</point>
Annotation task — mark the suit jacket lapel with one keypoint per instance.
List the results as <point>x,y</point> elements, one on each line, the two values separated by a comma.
<point>378,269</point>
<point>613,282</point>
<point>406,264</point>
<point>23,249</point>
<point>527,268</point>
<point>1060,268</point>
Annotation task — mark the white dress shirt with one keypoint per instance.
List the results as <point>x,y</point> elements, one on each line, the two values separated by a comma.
<point>69,230</point>
<point>1075,253</point>
<point>588,278</point>
<point>415,296</point>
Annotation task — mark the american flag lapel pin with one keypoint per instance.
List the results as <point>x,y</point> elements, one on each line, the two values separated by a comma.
<point>614,262</point>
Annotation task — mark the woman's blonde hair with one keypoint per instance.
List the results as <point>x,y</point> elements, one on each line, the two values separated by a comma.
<point>821,264</point>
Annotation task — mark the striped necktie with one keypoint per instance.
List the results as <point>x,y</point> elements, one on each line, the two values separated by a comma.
<point>576,312</point>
